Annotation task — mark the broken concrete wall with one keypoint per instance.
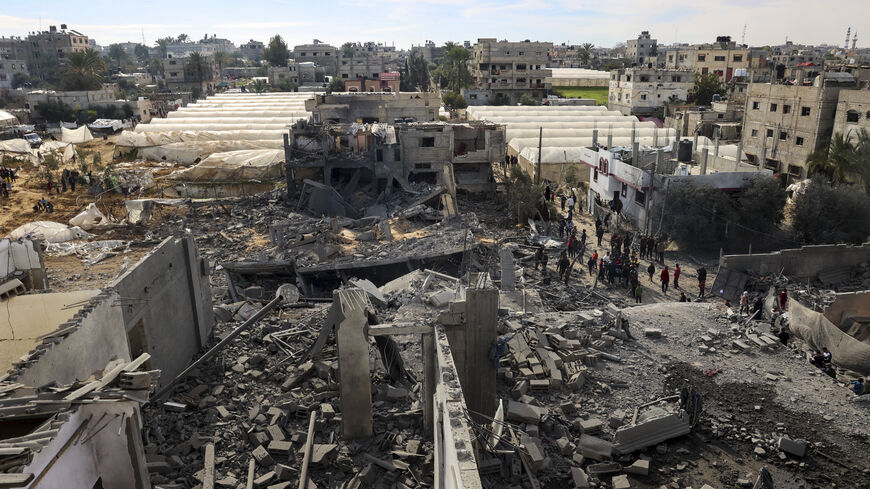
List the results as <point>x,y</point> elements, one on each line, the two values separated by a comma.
<point>98,338</point>
<point>805,262</point>
<point>814,328</point>
<point>107,457</point>
<point>846,309</point>
<point>167,306</point>
<point>22,259</point>
<point>455,463</point>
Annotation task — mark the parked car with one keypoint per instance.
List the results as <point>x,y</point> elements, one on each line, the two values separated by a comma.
<point>34,139</point>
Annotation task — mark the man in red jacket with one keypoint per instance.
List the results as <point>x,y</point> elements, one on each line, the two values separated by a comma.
<point>783,299</point>
<point>677,276</point>
<point>666,277</point>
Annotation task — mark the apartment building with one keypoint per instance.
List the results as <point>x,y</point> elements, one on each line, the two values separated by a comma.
<point>853,113</point>
<point>206,46</point>
<point>179,77</point>
<point>641,51</point>
<point>9,68</point>
<point>319,53</point>
<point>783,124</point>
<point>298,73</point>
<point>508,70</point>
<point>644,91</point>
<point>252,50</point>
<point>42,51</point>
<point>429,50</point>
<point>724,58</point>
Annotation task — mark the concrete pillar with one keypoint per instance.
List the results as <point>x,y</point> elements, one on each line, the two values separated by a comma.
<point>716,147</point>
<point>508,280</point>
<point>655,137</point>
<point>594,137</point>
<point>429,353</point>
<point>739,156</point>
<point>477,374</point>
<point>635,156</point>
<point>695,143</point>
<point>704,161</point>
<point>355,386</point>
<point>610,137</point>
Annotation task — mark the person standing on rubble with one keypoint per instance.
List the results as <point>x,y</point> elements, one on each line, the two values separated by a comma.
<point>744,302</point>
<point>571,205</point>
<point>563,199</point>
<point>548,192</point>
<point>783,299</point>
<point>702,281</point>
<point>599,231</point>
<point>651,270</point>
<point>583,238</point>
<point>563,264</point>
<point>665,278</point>
<point>539,256</point>
<point>638,293</point>
<point>593,260</point>
<point>677,273</point>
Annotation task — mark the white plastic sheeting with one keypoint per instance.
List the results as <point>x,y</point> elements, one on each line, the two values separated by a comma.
<point>188,153</point>
<point>495,109</point>
<point>210,127</point>
<point>593,124</point>
<point>517,145</point>
<point>19,145</point>
<point>223,120</point>
<point>17,255</point>
<point>235,166</point>
<point>553,154</point>
<point>282,115</point>
<point>144,140</point>
<point>571,118</point>
<point>579,73</point>
<point>48,231</point>
<point>113,124</point>
<point>7,119</point>
<point>603,131</point>
<point>76,136</point>
<point>90,218</point>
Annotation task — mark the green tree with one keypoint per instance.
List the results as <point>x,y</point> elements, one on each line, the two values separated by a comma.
<point>827,214</point>
<point>277,53</point>
<point>163,45</point>
<point>760,206</point>
<point>84,71</point>
<point>693,215</point>
<point>572,175</point>
<point>706,85</point>
<point>221,59</point>
<point>526,197</point>
<point>454,67</point>
<point>841,161</point>
<point>53,111</point>
<point>22,80</point>
<point>182,38</point>
<point>347,50</point>
<point>527,99</point>
<point>263,71</point>
<point>585,51</point>
<point>417,72</point>
<point>197,68</point>
<point>335,85</point>
<point>142,54</point>
<point>453,101</point>
<point>155,66</point>
<point>286,85</point>
<point>118,56</point>
<point>258,86</point>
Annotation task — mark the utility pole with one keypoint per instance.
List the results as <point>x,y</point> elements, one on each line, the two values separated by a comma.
<point>540,142</point>
<point>652,188</point>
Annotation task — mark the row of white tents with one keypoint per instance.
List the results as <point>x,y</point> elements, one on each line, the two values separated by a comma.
<point>228,137</point>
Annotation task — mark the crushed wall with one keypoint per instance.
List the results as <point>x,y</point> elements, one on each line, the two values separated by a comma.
<point>805,262</point>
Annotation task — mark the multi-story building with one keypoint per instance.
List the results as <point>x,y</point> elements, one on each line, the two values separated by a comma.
<point>374,107</point>
<point>386,82</point>
<point>252,50</point>
<point>641,51</point>
<point>783,124</point>
<point>207,46</point>
<point>180,77</point>
<point>644,91</point>
<point>724,58</point>
<point>319,53</point>
<point>509,70</point>
<point>429,50</point>
<point>853,113</point>
<point>9,68</point>
<point>298,73</point>
<point>44,51</point>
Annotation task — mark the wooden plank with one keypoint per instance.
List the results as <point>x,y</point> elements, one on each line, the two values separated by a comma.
<point>111,375</point>
<point>208,470</point>
<point>252,474</point>
<point>399,328</point>
<point>82,391</point>
<point>12,451</point>
<point>135,364</point>
<point>15,480</point>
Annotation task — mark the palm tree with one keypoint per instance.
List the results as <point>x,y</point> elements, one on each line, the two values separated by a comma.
<point>862,157</point>
<point>585,52</point>
<point>259,86</point>
<point>836,160</point>
<point>84,71</point>
<point>182,38</point>
<point>455,67</point>
<point>197,68</point>
<point>163,45</point>
<point>220,58</point>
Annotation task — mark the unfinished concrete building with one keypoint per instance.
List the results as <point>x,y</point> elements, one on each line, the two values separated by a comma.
<point>374,107</point>
<point>505,71</point>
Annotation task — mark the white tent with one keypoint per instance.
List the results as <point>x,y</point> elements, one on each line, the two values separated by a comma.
<point>7,119</point>
<point>234,166</point>
<point>76,136</point>
<point>146,139</point>
<point>48,231</point>
<point>187,153</point>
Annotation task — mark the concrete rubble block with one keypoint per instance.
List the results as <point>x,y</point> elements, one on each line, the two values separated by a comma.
<point>265,479</point>
<point>652,332</point>
<point>348,307</point>
<point>639,467</point>
<point>601,469</point>
<point>595,448</point>
<point>591,425</point>
<point>254,292</point>
<point>620,482</point>
<point>581,480</point>
<point>565,446</point>
<point>261,455</point>
<point>616,419</point>
<point>280,447</point>
<point>650,432</point>
<point>537,459</point>
<point>568,408</point>
<point>798,448</point>
<point>577,380</point>
<point>707,486</point>
<point>520,389</point>
<point>524,413</point>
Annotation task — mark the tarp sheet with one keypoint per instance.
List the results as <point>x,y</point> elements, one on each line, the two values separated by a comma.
<point>76,136</point>
<point>188,153</point>
<point>7,119</point>
<point>113,124</point>
<point>90,218</point>
<point>143,140</point>
<point>814,328</point>
<point>17,255</point>
<point>48,231</point>
<point>235,166</point>
<point>19,145</point>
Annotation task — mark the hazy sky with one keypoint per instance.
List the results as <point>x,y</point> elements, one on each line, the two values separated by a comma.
<point>402,22</point>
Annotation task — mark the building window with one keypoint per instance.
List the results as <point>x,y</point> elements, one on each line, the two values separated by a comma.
<point>702,57</point>
<point>773,107</point>
<point>644,78</point>
<point>379,155</point>
<point>718,58</point>
<point>639,197</point>
<point>676,78</point>
<point>427,142</point>
<point>783,135</point>
<point>397,154</point>
<point>738,57</point>
<point>522,53</point>
<point>786,109</point>
<point>794,170</point>
<point>755,133</point>
<point>624,191</point>
<point>705,70</point>
<point>770,133</point>
<point>643,96</point>
<point>852,116</point>
<point>799,141</point>
<point>805,111</point>
<point>756,105</point>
